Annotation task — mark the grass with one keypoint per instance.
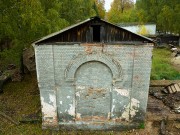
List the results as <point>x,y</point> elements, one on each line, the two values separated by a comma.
<point>142,125</point>
<point>19,99</point>
<point>162,67</point>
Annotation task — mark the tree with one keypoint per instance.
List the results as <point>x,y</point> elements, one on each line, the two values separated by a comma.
<point>166,14</point>
<point>100,7</point>
<point>121,11</point>
<point>24,21</point>
<point>76,10</point>
<point>143,30</point>
<point>125,4</point>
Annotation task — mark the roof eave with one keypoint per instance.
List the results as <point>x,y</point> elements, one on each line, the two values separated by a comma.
<point>61,31</point>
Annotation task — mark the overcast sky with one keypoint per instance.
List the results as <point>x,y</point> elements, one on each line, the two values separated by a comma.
<point>108,4</point>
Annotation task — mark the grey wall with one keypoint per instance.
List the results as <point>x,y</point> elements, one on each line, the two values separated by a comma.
<point>85,85</point>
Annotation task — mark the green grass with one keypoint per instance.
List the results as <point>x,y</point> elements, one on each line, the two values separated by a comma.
<point>142,125</point>
<point>19,99</point>
<point>162,67</point>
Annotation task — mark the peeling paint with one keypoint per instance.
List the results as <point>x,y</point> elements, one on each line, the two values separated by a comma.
<point>122,92</point>
<point>114,100</point>
<point>78,115</point>
<point>125,114</point>
<point>71,110</point>
<point>47,109</point>
<point>131,109</point>
<point>52,98</point>
<point>78,94</point>
<point>109,115</point>
<point>80,87</point>
<point>60,102</point>
<point>113,107</point>
<point>68,97</point>
<point>134,107</point>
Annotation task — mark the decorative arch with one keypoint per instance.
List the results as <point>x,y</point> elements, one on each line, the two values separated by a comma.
<point>105,58</point>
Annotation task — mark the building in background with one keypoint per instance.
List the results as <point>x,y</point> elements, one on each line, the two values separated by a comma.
<point>146,29</point>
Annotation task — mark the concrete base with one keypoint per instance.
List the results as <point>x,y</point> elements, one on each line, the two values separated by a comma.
<point>100,126</point>
<point>50,126</point>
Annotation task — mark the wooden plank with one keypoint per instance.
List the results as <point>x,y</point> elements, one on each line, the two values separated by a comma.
<point>179,84</point>
<point>169,89</point>
<point>162,83</point>
<point>177,87</point>
<point>173,88</point>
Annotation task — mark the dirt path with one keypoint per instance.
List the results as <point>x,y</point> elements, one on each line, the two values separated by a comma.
<point>176,62</point>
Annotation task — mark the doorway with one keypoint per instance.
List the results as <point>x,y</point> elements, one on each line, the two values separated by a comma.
<point>93,86</point>
<point>96,33</point>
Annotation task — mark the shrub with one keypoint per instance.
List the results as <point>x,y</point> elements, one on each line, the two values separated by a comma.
<point>11,56</point>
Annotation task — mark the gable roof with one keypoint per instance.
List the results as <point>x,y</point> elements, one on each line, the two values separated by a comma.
<point>61,32</point>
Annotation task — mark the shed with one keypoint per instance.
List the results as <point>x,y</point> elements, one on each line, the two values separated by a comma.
<point>93,76</point>
<point>147,28</point>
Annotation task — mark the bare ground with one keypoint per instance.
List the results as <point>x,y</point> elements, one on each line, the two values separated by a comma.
<point>176,62</point>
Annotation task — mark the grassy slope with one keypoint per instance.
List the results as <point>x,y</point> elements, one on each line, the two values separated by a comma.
<point>161,66</point>
<point>18,99</point>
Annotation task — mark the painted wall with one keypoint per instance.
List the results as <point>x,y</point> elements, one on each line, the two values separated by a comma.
<point>150,28</point>
<point>93,86</point>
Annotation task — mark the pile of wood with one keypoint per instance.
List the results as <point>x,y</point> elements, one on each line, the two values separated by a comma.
<point>172,88</point>
<point>169,95</point>
<point>175,50</point>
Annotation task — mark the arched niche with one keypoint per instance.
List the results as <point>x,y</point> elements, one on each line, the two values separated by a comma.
<point>104,58</point>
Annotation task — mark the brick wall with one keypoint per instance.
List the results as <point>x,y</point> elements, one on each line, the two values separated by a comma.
<point>122,84</point>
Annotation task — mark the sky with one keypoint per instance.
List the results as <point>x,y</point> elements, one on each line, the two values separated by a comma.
<point>108,4</point>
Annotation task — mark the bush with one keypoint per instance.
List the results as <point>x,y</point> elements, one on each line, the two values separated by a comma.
<point>11,56</point>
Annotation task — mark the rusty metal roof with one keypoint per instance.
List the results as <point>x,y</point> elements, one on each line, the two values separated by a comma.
<point>44,39</point>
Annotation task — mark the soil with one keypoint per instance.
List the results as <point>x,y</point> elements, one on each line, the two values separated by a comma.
<point>176,62</point>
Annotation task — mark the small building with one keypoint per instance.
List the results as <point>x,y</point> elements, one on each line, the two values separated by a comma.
<point>169,39</point>
<point>146,29</point>
<point>93,76</point>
